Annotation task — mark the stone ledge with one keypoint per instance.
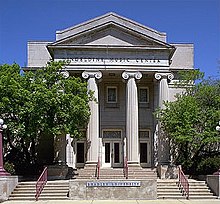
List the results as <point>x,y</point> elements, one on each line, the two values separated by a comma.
<point>146,191</point>
<point>7,185</point>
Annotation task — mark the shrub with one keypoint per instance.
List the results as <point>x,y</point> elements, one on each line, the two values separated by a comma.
<point>9,167</point>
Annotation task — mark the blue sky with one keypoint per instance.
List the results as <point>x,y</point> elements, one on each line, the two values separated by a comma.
<point>184,21</point>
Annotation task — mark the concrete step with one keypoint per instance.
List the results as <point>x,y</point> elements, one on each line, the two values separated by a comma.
<point>201,197</point>
<point>40,198</point>
<point>197,189</point>
<point>52,190</point>
<point>141,178</point>
<point>167,194</point>
<point>18,192</point>
<point>171,197</point>
<point>111,176</point>
<point>168,189</point>
<point>141,173</point>
<point>31,198</point>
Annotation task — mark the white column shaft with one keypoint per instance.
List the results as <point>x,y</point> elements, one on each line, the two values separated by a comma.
<point>93,126</point>
<point>163,142</point>
<point>132,116</point>
<point>132,121</point>
<point>163,92</point>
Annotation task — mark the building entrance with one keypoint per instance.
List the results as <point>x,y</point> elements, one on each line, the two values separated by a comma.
<point>112,154</point>
<point>80,154</point>
<point>145,154</point>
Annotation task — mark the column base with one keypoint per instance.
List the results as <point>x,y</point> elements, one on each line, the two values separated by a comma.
<point>3,172</point>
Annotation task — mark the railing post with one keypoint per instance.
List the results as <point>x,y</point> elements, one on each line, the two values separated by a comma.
<point>42,180</point>
<point>183,181</point>
<point>98,168</point>
<point>126,167</point>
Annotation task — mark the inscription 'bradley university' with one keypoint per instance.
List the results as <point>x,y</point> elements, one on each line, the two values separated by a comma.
<point>114,184</point>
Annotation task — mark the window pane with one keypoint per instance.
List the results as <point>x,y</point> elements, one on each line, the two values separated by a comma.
<point>112,97</point>
<point>143,95</point>
<point>144,134</point>
<point>116,153</point>
<point>111,134</point>
<point>107,153</point>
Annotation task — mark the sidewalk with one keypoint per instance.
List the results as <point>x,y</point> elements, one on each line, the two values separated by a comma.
<point>217,201</point>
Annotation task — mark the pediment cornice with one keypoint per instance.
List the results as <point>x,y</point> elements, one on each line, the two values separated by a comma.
<point>110,18</point>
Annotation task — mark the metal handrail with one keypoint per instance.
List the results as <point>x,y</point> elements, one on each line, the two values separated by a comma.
<point>42,180</point>
<point>183,181</point>
<point>126,167</point>
<point>98,168</point>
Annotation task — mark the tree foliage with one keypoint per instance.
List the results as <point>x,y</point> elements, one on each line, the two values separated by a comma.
<point>190,124</point>
<point>38,103</point>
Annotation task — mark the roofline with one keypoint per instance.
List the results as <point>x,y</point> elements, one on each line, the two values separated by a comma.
<point>106,15</point>
<point>112,23</point>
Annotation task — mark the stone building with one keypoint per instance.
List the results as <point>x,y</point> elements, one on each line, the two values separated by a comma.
<point>131,69</point>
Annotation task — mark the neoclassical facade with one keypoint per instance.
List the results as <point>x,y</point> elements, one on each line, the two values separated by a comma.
<point>131,70</point>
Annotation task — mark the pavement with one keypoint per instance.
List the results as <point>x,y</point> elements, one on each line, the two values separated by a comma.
<point>206,201</point>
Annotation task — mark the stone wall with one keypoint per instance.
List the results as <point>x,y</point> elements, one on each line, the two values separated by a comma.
<point>167,171</point>
<point>213,182</point>
<point>7,185</point>
<point>146,191</point>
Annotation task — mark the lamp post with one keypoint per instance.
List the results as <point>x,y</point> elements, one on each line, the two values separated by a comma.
<point>2,170</point>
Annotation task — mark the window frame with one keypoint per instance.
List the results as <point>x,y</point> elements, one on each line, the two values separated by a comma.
<point>148,97</point>
<point>107,94</point>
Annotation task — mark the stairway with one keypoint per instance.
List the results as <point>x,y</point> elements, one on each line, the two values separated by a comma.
<point>86,173</point>
<point>169,189</point>
<point>134,173</point>
<point>139,173</point>
<point>53,190</point>
<point>199,190</point>
<point>111,173</point>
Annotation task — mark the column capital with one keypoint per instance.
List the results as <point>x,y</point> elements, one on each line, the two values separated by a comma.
<point>92,74</point>
<point>65,74</point>
<point>131,74</point>
<point>159,76</point>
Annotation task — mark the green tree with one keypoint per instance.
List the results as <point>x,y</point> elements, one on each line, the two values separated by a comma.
<point>190,123</point>
<point>40,103</point>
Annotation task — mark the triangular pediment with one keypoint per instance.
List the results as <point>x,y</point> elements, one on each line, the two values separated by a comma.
<point>110,29</point>
<point>112,35</point>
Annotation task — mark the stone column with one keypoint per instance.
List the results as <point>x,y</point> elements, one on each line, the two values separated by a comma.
<point>163,87</point>
<point>93,126</point>
<point>163,148</point>
<point>132,117</point>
